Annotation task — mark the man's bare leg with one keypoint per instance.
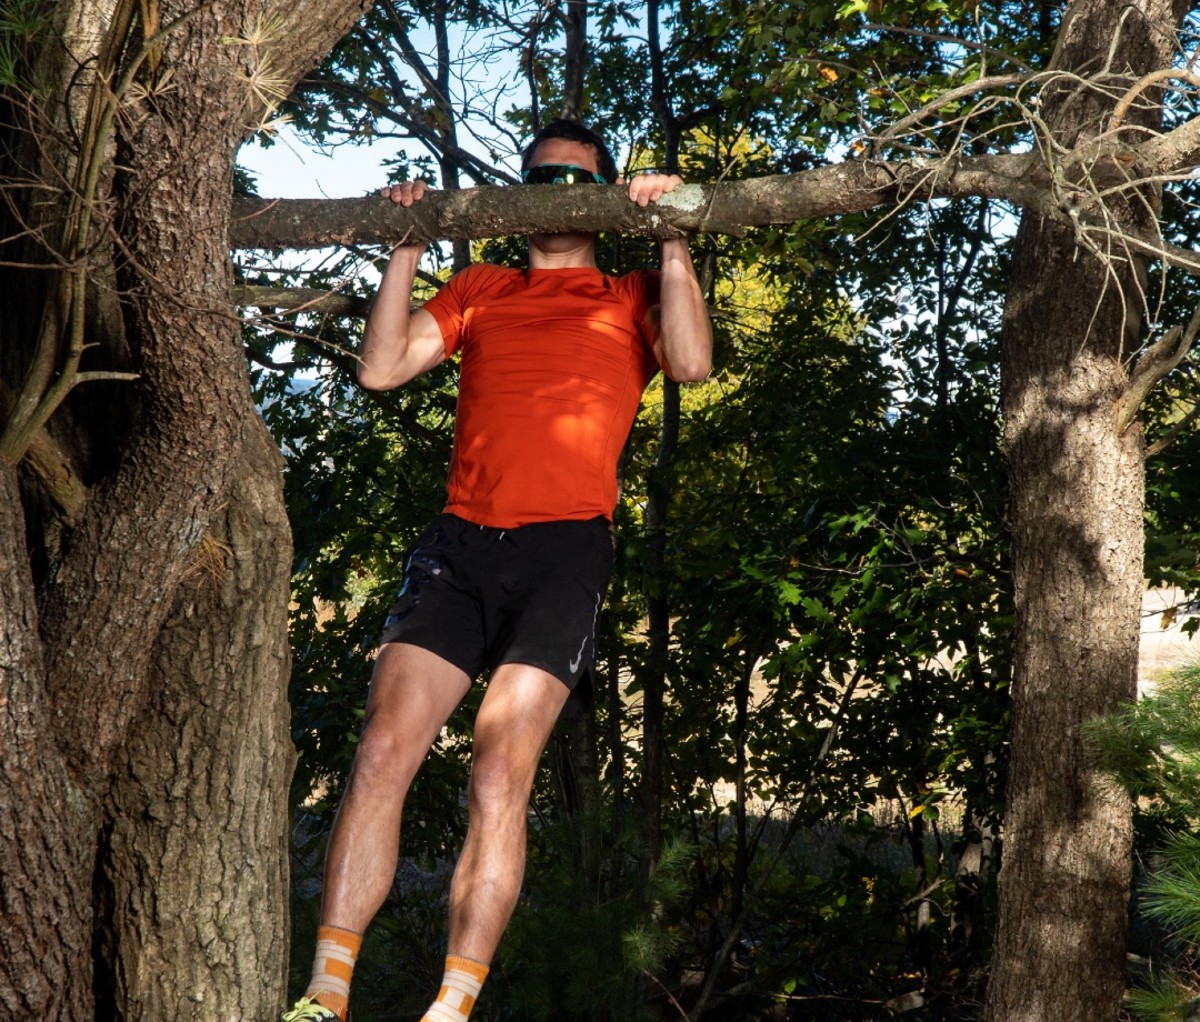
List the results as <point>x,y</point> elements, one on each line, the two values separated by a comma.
<point>413,692</point>
<point>515,720</point>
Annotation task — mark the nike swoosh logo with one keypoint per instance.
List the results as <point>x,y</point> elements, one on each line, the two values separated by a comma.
<point>573,665</point>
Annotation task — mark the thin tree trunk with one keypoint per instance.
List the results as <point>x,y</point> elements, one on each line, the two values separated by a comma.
<point>574,58</point>
<point>967,937</point>
<point>658,608</point>
<point>972,876</point>
<point>920,936</point>
<point>658,605</point>
<point>742,851</point>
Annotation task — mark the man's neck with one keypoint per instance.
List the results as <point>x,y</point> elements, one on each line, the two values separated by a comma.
<point>562,251</point>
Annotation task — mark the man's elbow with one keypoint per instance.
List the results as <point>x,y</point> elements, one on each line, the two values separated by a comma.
<point>373,380</point>
<point>689,370</point>
<point>688,362</point>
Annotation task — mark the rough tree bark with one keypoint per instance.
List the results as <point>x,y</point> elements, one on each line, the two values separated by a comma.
<point>1071,324</point>
<point>199,822</point>
<point>143,621</point>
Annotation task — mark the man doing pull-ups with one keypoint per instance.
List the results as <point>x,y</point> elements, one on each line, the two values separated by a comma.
<point>510,577</point>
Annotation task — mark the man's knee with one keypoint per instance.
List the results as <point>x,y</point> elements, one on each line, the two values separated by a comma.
<point>511,730</point>
<point>499,786</point>
<point>381,757</point>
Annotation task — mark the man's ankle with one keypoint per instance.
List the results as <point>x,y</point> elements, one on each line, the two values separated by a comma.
<point>460,990</point>
<point>333,968</point>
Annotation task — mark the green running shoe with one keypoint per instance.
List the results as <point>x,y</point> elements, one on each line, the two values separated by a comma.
<point>308,1010</point>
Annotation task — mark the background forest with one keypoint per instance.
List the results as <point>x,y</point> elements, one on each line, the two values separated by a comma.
<point>789,800</point>
<point>864,739</point>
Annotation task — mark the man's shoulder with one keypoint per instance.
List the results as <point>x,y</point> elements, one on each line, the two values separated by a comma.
<point>639,278</point>
<point>639,286</point>
<point>488,271</point>
<point>474,280</point>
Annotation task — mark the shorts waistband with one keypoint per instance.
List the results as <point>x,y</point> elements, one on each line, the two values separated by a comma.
<point>599,521</point>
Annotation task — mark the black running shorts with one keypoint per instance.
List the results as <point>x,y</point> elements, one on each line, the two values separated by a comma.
<point>480,597</point>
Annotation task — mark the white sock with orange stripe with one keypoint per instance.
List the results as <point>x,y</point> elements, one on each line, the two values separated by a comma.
<point>460,989</point>
<point>333,965</point>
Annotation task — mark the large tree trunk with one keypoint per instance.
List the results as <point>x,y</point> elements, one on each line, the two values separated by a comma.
<point>143,648</point>
<point>199,834</point>
<point>1070,327</point>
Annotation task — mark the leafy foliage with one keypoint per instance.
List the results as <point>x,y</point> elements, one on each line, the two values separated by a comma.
<point>836,536</point>
<point>1153,750</point>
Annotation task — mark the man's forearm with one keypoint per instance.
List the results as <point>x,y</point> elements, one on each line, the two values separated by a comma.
<point>685,330</point>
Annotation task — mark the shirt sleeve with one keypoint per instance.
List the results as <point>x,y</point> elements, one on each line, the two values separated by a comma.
<point>451,304</point>
<point>641,289</point>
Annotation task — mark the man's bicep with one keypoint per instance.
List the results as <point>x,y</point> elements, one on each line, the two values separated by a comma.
<point>426,348</point>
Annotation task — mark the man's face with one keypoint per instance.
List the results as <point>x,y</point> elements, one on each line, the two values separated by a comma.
<point>559,150</point>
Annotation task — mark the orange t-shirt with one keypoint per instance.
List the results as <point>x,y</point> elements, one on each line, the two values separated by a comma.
<point>554,363</point>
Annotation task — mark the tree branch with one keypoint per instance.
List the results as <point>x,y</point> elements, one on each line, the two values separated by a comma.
<point>1156,362</point>
<point>300,299</point>
<point>1068,186</point>
<point>1168,438</point>
<point>50,464</point>
<point>490,211</point>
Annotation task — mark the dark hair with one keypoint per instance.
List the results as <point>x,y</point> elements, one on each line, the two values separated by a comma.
<point>573,131</point>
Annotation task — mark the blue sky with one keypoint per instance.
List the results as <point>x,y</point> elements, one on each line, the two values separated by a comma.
<point>291,169</point>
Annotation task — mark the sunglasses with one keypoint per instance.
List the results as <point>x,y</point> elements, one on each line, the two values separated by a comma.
<point>560,174</point>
